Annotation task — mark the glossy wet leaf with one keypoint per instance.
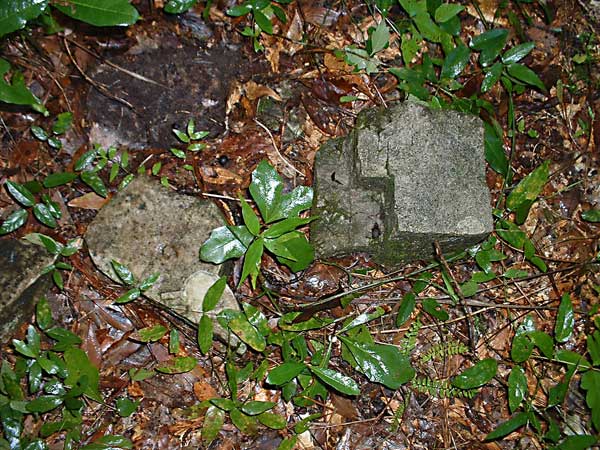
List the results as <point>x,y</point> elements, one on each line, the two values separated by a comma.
<point>253,408</point>
<point>336,380</point>
<point>213,422</point>
<point>123,272</point>
<point>314,323</point>
<point>407,306</point>
<point>16,92</point>
<point>250,219</point>
<point>517,53</point>
<point>224,243</point>
<point>44,215</point>
<point>247,332</point>
<point>455,62</point>
<point>515,273</point>
<point>285,226</point>
<point>140,374</point>
<point>473,377</point>
<point>525,75</point>
<point>263,22</point>
<point>494,150</point>
<point>14,221</point>
<point>576,442</point>
<point>363,318</point>
<point>148,282</point>
<point>109,442</point>
<point>100,13</point>
<point>14,14</point>
<point>491,78</point>
<point>447,11</point>
<point>512,424</point>
<point>272,420</point>
<point>129,296</point>
<point>590,382</point>
<point>517,388</point>
<point>64,337</point>
<point>23,348</point>
<point>591,215</point>
<point>44,403</point>
<point>285,372</point>
<point>180,364</point>
<point>151,334</point>
<point>126,406</point>
<point>528,190</point>
<point>490,44</point>
<point>95,182</point>
<point>20,193</point>
<point>380,37</point>
<point>292,249</point>
<point>43,314</point>
<point>50,244</point>
<point>565,319</point>
<point>256,318</point>
<point>205,334</point>
<point>62,123</point>
<point>178,6</point>
<point>79,366</point>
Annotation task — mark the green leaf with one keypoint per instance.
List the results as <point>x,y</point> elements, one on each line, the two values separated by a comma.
<point>517,53</point>
<point>44,215</point>
<point>360,59</point>
<point>59,179</point>
<point>409,48</point>
<point>78,366</point>
<point>15,14</point>
<point>455,62</point>
<point>526,75</point>
<point>140,374</point>
<point>43,314</point>
<point>151,334</point>
<point>407,306</point>
<point>381,363</point>
<point>490,44</point>
<point>213,294</point>
<point>380,37</point>
<point>240,325</point>
<point>285,372</point>
<point>512,424</point>
<point>205,334</point>
<point>44,403</point>
<point>565,319</point>
<point>517,388</point>
<point>100,13</point>
<point>254,408</point>
<point>39,133</point>
<point>263,22</point>
<point>223,244</point>
<point>491,78</point>
<point>64,337</point>
<point>213,422</point>
<point>428,27</point>
<point>17,93</point>
<point>447,11</point>
<point>148,282</point>
<point>122,272</point>
<point>14,221</point>
<point>285,226</point>
<point>49,244</point>
<point>250,218</point>
<point>576,442</point>
<point>62,123</point>
<point>362,319</point>
<point>180,364</point>
<point>174,341</point>
<point>273,421</point>
<point>593,347</point>
<point>431,306</point>
<point>473,377</point>
<point>543,342</point>
<point>590,382</point>
<point>20,193</point>
<point>23,348</point>
<point>126,406</point>
<point>129,296</point>
<point>256,318</point>
<point>86,159</point>
<point>110,442</point>
<point>95,182</point>
<point>252,262</point>
<point>336,380</point>
<point>591,215</point>
<point>527,191</point>
<point>239,10</point>
<point>246,424</point>
<point>292,249</point>
<point>223,403</point>
<point>179,6</point>
<point>266,190</point>
<point>515,273</point>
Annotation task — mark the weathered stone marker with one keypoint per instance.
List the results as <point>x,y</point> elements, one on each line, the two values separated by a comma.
<point>403,178</point>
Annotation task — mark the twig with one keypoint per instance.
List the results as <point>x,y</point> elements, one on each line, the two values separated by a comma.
<point>287,163</point>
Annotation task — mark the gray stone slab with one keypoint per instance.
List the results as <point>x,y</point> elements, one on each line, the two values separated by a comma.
<point>403,178</point>
<point>152,229</point>
<point>20,266</point>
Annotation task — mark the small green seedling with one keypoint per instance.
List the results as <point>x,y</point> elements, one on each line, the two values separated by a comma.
<point>61,126</point>
<point>60,250</point>
<point>190,137</point>
<point>135,288</point>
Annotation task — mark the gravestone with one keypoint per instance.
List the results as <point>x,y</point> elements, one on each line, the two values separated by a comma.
<point>152,229</point>
<point>404,178</point>
<point>21,264</point>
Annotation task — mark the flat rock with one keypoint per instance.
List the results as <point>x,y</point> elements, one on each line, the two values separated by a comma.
<point>404,178</point>
<point>151,229</point>
<point>22,286</point>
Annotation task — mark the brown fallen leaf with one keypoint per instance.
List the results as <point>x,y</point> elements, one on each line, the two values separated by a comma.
<point>204,391</point>
<point>91,200</point>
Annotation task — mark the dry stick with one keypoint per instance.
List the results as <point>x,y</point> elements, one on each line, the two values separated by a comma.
<point>103,90</point>
<point>286,162</point>
<point>471,328</point>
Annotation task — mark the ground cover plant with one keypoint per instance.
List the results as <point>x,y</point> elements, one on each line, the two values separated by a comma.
<point>496,347</point>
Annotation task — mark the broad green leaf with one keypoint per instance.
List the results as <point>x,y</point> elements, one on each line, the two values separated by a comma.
<point>490,44</point>
<point>126,406</point>
<point>526,75</point>
<point>222,245</point>
<point>292,249</point>
<point>148,282</point>
<point>469,288</point>
<point>528,190</point>
<point>285,226</point>
<point>64,337</point>
<point>285,372</point>
<point>591,215</point>
<point>20,193</point>
<point>273,421</point>
<point>129,296</point>
<point>178,6</point>
<point>414,7</point>
<point>86,159</point>
<point>246,424</point>
<point>239,10</point>
<point>13,221</point>
<point>360,59</point>
<point>336,380</point>
<point>543,342</point>
<point>44,403</point>
<point>455,62</point>
<point>62,123</point>
<point>39,133</point>
<point>409,48</point>
<point>174,341</point>
<point>515,273</point>
<point>565,319</point>
<point>95,182</point>
<point>100,13</point>
<point>247,332</point>
<point>180,364</point>
<point>225,404</point>
<point>14,14</point>
<point>122,272</point>
<point>250,219</point>
<point>23,348</point>
<point>473,377</point>
<point>512,424</point>
<point>380,37</point>
<point>428,28</point>
<point>407,306</point>
<point>593,347</point>
<point>253,408</point>
<point>44,215</point>
<point>431,306</point>
<point>49,244</point>
<point>59,179</point>
<point>213,422</point>
<point>151,334</point>
<point>16,92</point>
<point>256,318</point>
<point>140,374</point>
<point>78,365</point>
<point>381,363</point>
<point>491,78</point>
<point>517,53</point>
<point>576,442</point>
<point>43,314</point>
<point>110,442</point>
<point>517,388</point>
<point>363,318</point>
<point>590,382</point>
<point>263,22</point>
<point>447,11</point>
<point>252,261</point>
<point>213,294</point>
<point>205,334</point>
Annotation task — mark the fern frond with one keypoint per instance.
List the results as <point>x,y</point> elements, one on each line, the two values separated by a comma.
<point>444,350</point>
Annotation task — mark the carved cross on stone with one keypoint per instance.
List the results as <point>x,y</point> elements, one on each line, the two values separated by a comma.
<point>403,178</point>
